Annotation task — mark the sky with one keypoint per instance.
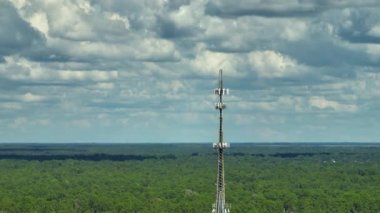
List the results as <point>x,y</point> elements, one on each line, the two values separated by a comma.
<point>144,70</point>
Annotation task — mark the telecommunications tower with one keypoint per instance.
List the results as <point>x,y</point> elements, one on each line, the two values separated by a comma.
<point>220,205</point>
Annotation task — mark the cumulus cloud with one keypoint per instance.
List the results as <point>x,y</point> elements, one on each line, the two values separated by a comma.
<point>375,31</point>
<point>255,33</point>
<point>283,103</point>
<point>85,75</point>
<point>84,31</point>
<point>136,63</point>
<point>182,22</point>
<point>260,8</point>
<point>172,86</point>
<point>271,64</point>
<point>323,103</point>
<point>208,62</point>
<point>10,106</point>
<point>16,35</point>
<point>292,8</point>
<point>19,122</point>
<point>82,123</point>
<point>29,97</point>
<point>21,69</point>
<point>104,86</point>
<point>359,25</point>
<point>40,22</point>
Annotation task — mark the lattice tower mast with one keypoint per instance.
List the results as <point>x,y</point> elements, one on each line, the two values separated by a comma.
<point>220,205</point>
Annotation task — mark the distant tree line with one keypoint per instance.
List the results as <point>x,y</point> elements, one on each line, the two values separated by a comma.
<point>86,157</point>
<point>281,154</point>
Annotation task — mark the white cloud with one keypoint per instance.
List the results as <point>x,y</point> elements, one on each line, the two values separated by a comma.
<point>244,119</point>
<point>270,106</point>
<point>242,5</point>
<point>21,69</point>
<point>134,62</point>
<point>243,34</point>
<point>136,48</point>
<point>374,31</point>
<point>272,64</point>
<point>279,104</point>
<point>269,134</point>
<point>43,122</point>
<point>185,117</point>
<point>82,123</point>
<point>11,106</point>
<point>155,49</point>
<point>369,87</point>
<point>117,17</point>
<point>104,86</point>
<point>29,97</point>
<point>209,62</point>
<point>373,50</point>
<point>188,15</point>
<point>18,122</point>
<point>87,75</point>
<point>66,19</point>
<point>294,31</point>
<point>40,22</point>
<point>19,3</point>
<point>277,8</point>
<point>85,6</point>
<point>323,103</point>
<point>174,86</point>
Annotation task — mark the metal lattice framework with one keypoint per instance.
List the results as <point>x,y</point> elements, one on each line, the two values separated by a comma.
<point>220,205</point>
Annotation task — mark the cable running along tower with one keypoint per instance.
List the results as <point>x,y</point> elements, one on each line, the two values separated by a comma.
<point>220,205</point>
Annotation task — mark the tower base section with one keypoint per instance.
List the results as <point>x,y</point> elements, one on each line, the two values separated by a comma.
<point>223,210</point>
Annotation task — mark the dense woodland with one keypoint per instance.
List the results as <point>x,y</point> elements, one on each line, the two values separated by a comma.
<point>181,177</point>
